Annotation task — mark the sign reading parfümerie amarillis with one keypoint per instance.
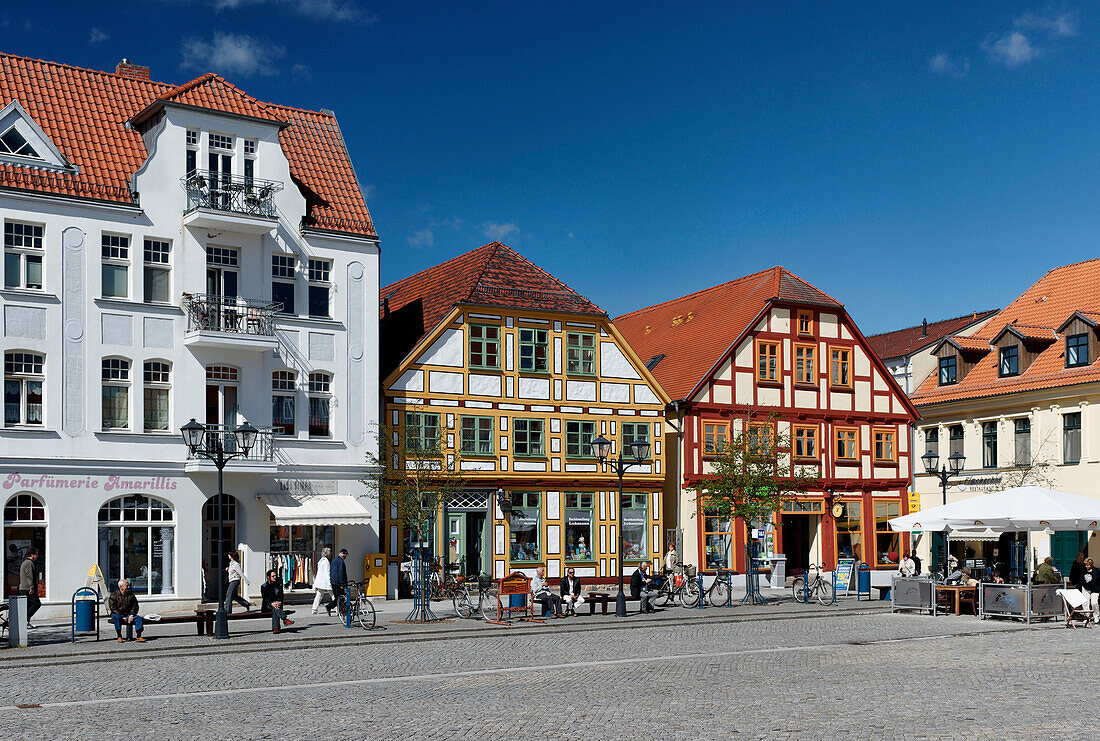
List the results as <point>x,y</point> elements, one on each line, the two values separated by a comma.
<point>107,483</point>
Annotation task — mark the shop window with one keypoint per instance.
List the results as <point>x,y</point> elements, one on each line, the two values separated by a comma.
<point>948,370</point>
<point>477,435</point>
<point>840,360</point>
<point>1010,361</point>
<point>805,322</point>
<point>579,518</point>
<point>768,364</point>
<point>23,255</point>
<point>887,542</point>
<point>284,387</point>
<point>1077,350</point>
<point>580,354</point>
<point>137,542</point>
<point>23,379</point>
<point>805,443</point>
<point>320,287</point>
<point>849,532</point>
<point>485,346</point>
<point>886,450</point>
<point>632,431</point>
<point>578,439</point>
<point>24,528</point>
<point>294,550</point>
<point>717,539</point>
<point>158,271</point>
<point>847,444</point>
<point>116,265</point>
<point>320,405</point>
<point>955,439</point>
<point>635,524</point>
<point>805,369</point>
<point>534,351</point>
<point>116,394</point>
<point>422,432</point>
<point>157,375</point>
<point>527,438</point>
<point>1022,438</point>
<point>284,271</point>
<point>523,522</point>
<point>989,444</point>
<point>1071,438</point>
<point>714,438</point>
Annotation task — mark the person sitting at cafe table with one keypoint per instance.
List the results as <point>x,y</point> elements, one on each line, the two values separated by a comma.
<point>540,592</point>
<point>962,577</point>
<point>1090,584</point>
<point>1046,574</point>
<point>906,567</point>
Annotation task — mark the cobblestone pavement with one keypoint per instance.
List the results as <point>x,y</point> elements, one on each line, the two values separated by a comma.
<point>837,674</point>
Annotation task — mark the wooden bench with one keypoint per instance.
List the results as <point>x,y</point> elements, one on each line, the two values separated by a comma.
<point>603,598</point>
<point>197,619</point>
<point>205,617</point>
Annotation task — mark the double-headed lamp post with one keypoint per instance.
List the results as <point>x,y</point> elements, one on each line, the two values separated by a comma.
<point>504,504</point>
<point>601,446</point>
<point>931,461</point>
<point>194,433</point>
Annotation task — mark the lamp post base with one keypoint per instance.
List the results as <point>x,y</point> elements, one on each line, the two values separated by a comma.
<point>620,605</point>
<point>221,624</point>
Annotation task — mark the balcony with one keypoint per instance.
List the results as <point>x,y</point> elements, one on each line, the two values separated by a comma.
<point>229,322</point>
<point>230,202</point>
<point>261,459</point>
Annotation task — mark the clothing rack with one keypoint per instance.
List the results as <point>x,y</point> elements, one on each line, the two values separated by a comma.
<point>295,569</point>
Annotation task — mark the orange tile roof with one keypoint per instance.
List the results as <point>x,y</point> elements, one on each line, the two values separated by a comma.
<point>694,332</point>
<point>901,342</point>
<point>969,343</point>
<point>491,275</point>
<point>84,112</point>
<point>1047,303</point>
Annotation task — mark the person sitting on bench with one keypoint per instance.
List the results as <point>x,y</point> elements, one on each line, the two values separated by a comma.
<point>123,606</point>
<point>272,592</point>
<point>540,592</point>
<point>644,588</point>
<point>571,591</point>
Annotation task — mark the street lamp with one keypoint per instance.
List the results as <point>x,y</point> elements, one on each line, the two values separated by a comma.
<point>601,447</point>
<point>931,460</point>
<point>504,504</point>
<point>214,450</point>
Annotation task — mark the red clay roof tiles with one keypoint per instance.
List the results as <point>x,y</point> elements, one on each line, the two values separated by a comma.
<point>902,342</point>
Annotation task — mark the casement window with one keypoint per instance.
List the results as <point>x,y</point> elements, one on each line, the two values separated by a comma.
<point>955,439</point>
<point>1010,361</point>
<point>761,438</point>
<point>578,439</point>
<point>422,432</point>
<point>192,151</point>
<point>805,442</point>
<point>284,389</point>
<point>1022,438</point>
<point>805,322</point>
<point>580,354</point>
<point>116,394</point>
<point>525,524</point>
<point>485,346</point>
<point>320,404</point>
<point>528,438</point>
<point>284,270</point>
<point>948,370</point>
<point>157,376</point>
<point>1077,350</point>
<point>840,359</point>
<point>221,141</point>
<point>849,531</point>
<point>714,438</point>
<point>847,444</point>
<point>632,431</point>
<point>249,161</point>
<point>717,539</point>
<point>320,287</point>
<point>477,435</point>
<point>887,542</point>
<point>989,444</point>
<point>805,367</point>
<point>1071,438</point>
<point>768,366</point>
<point>158,271</point>
<point>116,265</point>
<point>932,440</point>
<point>635,525</point>
<point>23,255</point>
<point>886,450</point>
<point>579,518</point>
<point>23,379</point>
<point>534,351</point>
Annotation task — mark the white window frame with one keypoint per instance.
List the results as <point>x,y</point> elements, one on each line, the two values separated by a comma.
<point>24,252</point>
<point>158,379</point>
<point>278,275</point>
<point>323,271</point>
<point>320,392</point>
<point>115,260</point>
<point>156,265</point>
<point>119,378</point>
<point>16,364</point>
<point>284,385</point>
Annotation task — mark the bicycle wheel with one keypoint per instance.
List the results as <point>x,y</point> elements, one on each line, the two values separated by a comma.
<point>487,604</point>
<point>666,594</point>
<point>463,604</point>
<point>364,612</point>
<point>799,589</point>
<point>824,591</point>
<point>689,594</point>
<point>719,593</point>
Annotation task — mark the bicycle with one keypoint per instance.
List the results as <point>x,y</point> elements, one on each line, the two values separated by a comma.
<point>681,587</point>
<point>720,593</point>
<point>442,585</point>
<point>362,609</point>
<point>466,604</point>
<point>813,586</point>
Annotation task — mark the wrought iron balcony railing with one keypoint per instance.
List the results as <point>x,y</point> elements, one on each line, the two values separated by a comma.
<point>234,193</point>
<point>262,451</point>
<point>214,313</point>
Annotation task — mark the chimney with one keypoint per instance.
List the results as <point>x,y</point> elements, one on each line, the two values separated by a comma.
<point>924,328</point>
<point>136,71</point>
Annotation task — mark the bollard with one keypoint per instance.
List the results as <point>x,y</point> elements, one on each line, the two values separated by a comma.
<point>834,588</point>
<point>702,595</point>
<point>347,601</point>
<point>17,621</point>
<point>806,587</point>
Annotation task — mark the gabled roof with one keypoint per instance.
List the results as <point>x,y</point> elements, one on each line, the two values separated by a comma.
<point>85,113</point>
<point>1091,318</point>
<point>1028,333</point>
<point>1046,304</point>
<point>965,344</point>
<point>903,342</point>
<point>694,332</point>
<point>491,275</point>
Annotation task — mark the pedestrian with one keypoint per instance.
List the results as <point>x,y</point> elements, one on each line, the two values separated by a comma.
<point>916,562</point>
<point>234,576</point>
<point>123,607</point>
<point>570,587</point>
<point>644,587</point>
<point>28,583</point>
<point>338,578</point>
<point>672,560</point>
<point>540,592</point>
<point>322,584</point>
<point>1077,570</point>
<point>272,592</point>
<point>1090,583</point>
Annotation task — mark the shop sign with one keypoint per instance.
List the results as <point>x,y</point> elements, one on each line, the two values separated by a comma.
<point>914,502</point>
<point>980,483</point>
<point>844,567</point>
<point>304,486</point>
<point>634,519</point>
<point>515,583</point>
<point>109,483</point>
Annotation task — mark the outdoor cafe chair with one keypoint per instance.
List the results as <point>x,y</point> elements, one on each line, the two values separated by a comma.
<point>1076,608</point>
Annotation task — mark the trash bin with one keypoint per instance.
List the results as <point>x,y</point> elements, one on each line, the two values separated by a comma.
<point>863,581</point>
<point>85,612</point>
<point>85,616</point>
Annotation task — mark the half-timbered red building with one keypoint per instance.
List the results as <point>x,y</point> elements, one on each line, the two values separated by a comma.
<point>774,350</point>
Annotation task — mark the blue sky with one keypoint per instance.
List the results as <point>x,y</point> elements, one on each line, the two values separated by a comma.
<point>913,160</point>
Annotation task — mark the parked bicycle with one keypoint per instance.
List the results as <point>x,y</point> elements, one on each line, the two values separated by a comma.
<point>442,584</point>
<point>682,587</point>
<point>720,593</point>
<point>812,585</point>
<point>360,605</point>
<point>475,596</point>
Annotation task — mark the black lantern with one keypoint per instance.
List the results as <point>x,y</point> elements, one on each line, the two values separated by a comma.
<point>192,434</point>
<point>601,447</point>
<point>931,461</point>
<point>246,436</point>
<point>640,449</point>
<point>504,502</point>
<point>955,462</point>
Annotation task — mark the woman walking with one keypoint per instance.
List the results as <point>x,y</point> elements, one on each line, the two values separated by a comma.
<point>322,584</point>
<point>235,574</point>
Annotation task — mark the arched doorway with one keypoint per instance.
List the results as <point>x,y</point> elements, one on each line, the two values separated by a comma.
<point>227,505</point>
<point>24,528</point>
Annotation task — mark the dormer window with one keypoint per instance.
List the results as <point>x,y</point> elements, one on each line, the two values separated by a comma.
<point>948,370</point>
<point>1010,361</point>
<point>14,143</point>
<point>1077,350</point>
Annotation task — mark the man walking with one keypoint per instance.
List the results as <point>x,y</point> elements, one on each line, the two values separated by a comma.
<point>28,583</point>
<point>338,577</point>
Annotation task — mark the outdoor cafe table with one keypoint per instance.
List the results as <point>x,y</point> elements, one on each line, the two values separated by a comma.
<point>956,591</point>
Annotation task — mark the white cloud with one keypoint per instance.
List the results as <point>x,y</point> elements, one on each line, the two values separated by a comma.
<point>1011,50</point>
<point>1057,27</point>
<point>96,35</point>
<point>497,231</point>
<point>422,238</point>
<point>343,11</point>
<point>368,191</point>
<point>232,55</point>
<point>943,64</point>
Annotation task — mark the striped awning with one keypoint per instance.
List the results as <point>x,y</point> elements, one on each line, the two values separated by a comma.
<point>316,509</point>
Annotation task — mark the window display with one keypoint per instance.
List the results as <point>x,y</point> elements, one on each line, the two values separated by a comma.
<point>137,542</point>
<point>578,527</point>
<point>635,522</point>
<point>523,522</point>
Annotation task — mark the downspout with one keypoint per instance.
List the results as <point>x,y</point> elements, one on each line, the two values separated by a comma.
<point>675,407</point>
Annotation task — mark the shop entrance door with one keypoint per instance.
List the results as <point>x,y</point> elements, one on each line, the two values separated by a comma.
<point>1064,547</point>
<point>211,535</point>
<point>18,539</point>
<point>475,540</point>
<point>799,532</point>
<point>456,540</point>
